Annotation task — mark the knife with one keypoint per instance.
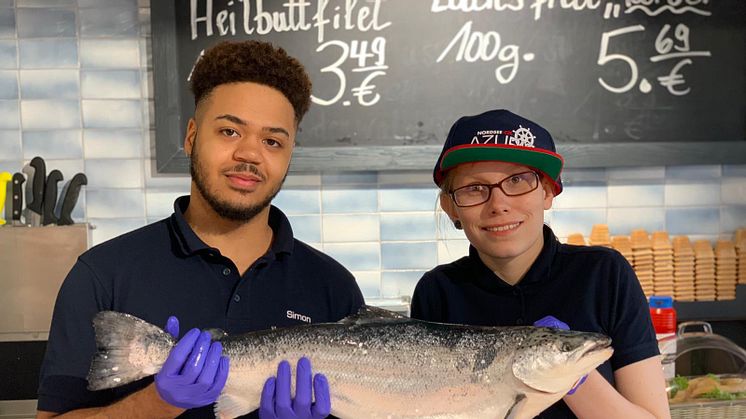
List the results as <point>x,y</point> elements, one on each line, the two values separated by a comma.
<point>5,187</point>
<point>17,197</point>
<point>34,207</point>
<point>69,198</point>
<point>50,197</point>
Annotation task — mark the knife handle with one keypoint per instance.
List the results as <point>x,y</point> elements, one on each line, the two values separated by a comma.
<point>50,197</point>
<point>17,197</point>
<point>70,197</point>
<point>37,186</point>
<point>5,194</point>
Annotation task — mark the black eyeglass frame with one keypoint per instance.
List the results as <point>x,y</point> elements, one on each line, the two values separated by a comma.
<point>492,186</point>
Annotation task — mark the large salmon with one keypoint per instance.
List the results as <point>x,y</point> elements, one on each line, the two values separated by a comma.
<point>378,364</point>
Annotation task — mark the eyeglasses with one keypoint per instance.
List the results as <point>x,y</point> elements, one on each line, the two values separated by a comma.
<point>479,193</point>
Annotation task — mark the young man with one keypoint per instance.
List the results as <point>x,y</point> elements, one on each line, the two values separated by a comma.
<point>498,172</point>
<point>225,259</point>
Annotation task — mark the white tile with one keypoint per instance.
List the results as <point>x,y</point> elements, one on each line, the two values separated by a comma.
<point>399,283</point>
<point>10,146</point>
<point>635,195</point>
<point>408,199</point>
<point>298,201</point>
<point>115,203</point>
<point>106,229</point>
<point>8,85</point>
<point>408,226</point>
<point>581,197</point>
<point>693,220</point>
<point>692,194</point>
<point>8,54</point>
<point>160,204</point>
<point>109,22</point>
<point>566,222</point>
<point>624,220</point>
<point>48,53</point>
<point>7,23</point>
<point>350,228</point>
<point>451,250</point>
<point>112,113</point>
<point>49,84</point>
<point>356,256</point>
<point>120,144</point>
<point>733,191</point>
<point>45,23</point>
<point>122,84</point>
<point>50,114</point>
<point>306,228</point>
<point>733,217</point>
<point>109,53</point>
<point>369,283</point>
<point>9,116</point>
<point>114,173</point>
<point>58,144</point>
<point>423,255</point>
<point>349,200</point>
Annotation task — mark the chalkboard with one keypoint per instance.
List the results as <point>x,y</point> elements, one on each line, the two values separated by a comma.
<point>627,82</point>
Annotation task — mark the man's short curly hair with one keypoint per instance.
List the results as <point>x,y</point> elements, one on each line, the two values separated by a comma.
<point>252,61</point>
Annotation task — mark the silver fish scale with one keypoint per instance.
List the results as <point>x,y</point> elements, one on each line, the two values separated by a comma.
<point>379,365</point>
<point>425,366</point>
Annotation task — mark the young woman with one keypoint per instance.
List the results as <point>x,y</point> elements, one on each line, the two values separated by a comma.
<point>498,172</point>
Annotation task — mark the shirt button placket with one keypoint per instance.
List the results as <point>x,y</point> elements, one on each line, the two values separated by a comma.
<point>226,271</point>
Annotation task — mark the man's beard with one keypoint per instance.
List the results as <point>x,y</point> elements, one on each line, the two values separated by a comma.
<point>224,208</point>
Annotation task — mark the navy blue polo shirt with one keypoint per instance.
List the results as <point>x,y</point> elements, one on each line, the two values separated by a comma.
<point>592,289</point>
<point>164,269</point>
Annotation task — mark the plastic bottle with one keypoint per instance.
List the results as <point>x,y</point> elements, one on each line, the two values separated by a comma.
<point>664,321</point>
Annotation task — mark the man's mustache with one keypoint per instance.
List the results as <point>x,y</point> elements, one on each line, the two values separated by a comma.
<point>248,167</point>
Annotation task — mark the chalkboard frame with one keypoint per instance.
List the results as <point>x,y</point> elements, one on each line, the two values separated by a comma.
<point>171,159</point>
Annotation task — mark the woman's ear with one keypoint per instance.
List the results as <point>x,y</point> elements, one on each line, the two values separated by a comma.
<point>549,195</point>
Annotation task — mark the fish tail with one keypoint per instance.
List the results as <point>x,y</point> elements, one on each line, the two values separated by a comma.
<point>129,348</point>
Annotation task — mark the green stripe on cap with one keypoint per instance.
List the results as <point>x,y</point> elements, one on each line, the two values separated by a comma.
<point>547,163</point>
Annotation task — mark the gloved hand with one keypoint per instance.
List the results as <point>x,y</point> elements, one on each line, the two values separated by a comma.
<point>194,372</point>
<point>551,321</point>
<point>277,404</point>
<point>172,327</point>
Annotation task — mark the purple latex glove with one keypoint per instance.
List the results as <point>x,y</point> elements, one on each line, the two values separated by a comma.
<point>195,372</point>
<point>551,321</point>
<point>277,404</point>
<point>172,327</point>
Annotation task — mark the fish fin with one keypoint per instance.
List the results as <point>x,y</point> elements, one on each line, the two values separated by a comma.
<point>368,314</point>
<point>232,406</point>
<point>520,400</point>
<point>216,333</point>
<point>117,334</point>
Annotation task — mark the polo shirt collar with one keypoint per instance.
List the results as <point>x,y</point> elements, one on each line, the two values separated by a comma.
<point>538,273</point>
<point>189,243</point>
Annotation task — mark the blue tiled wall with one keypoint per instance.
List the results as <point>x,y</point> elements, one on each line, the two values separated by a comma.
<point>76,88</point>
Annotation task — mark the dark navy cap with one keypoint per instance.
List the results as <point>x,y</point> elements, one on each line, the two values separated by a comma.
<point>500,135</point>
